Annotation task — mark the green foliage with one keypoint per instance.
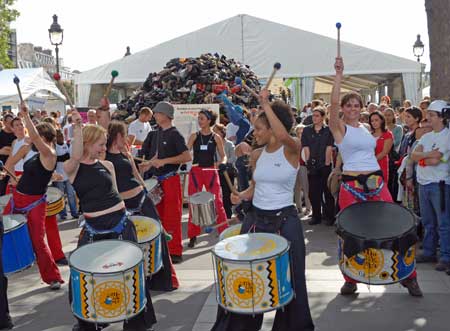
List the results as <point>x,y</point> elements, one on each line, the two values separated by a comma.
<point>7,15</point>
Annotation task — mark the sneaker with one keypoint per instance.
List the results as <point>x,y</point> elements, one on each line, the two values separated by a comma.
<point>315,221</point>
<point>442,266</point>
<point>413,287</point>
<point>448,271</point>
<point>192,242</point>
<point>62,261</point>
<point>176,259</point>
<point>426,259</point>
<point>7,325</point>
<point>348,288</point>
<point>55,285</point>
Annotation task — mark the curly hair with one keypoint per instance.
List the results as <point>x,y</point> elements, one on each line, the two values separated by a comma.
<point>282,112</point>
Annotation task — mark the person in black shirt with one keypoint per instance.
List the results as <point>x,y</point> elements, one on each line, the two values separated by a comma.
<point>166,149</point>
<point>6,139</point>
<point>204,145</point>
<point>317,142</point>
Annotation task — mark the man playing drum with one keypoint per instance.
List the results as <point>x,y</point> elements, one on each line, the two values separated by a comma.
<point>166,149</point>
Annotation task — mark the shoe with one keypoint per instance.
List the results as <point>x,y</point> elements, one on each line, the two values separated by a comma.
<point>62,218</point>
<point>55,285</point>
<point>176,259</point>
<point>77,327</point>
<point>62,261</point>
<point>7,325</point>
<point>442,266</point>
<point>192,242</point>
<point>413,287</point>
<point>448,271</point>
<point>425,259</point>
<point>348,288</point>
<point>315,221</point>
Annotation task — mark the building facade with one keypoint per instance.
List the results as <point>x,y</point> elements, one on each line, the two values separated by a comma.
<point>12,50</point>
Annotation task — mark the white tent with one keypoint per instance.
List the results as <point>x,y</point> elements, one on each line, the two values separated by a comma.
<point>36,86</point>
<point>260,43</point>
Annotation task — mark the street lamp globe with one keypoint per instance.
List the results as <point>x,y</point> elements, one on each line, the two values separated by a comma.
<point>55,32</point>
<point>418,48</point>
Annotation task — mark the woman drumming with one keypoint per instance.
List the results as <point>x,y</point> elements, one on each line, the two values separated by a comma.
<point>361,176</point>
<point>273,211</point>
<point>104,210</point>
<point>131,188</point>
<point>204,144</point>
<point>29,195</point>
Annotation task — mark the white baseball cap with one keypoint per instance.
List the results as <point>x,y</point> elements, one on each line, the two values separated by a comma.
<point>439,106</point>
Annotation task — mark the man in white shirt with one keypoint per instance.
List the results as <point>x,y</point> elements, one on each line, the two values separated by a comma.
<point>231,131</point>
<point>139,129</point>
<point>433,175</point>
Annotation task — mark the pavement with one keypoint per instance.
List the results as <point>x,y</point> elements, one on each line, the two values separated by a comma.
<point>34,307</point>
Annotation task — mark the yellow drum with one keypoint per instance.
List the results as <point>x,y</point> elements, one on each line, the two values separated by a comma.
<point>55,201</point>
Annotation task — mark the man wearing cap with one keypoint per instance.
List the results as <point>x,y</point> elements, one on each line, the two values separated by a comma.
<point>139,129</point>
<point>433,175</point>
<point>166,149</point>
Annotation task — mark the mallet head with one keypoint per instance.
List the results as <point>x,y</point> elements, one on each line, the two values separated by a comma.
<point>338,25</point>
<point>56,76</point>
<point>114,73</point>
<point>16,80</point>
<point>277,65</point>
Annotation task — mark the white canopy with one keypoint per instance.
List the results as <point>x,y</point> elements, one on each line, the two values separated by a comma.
<point>260,43</point>
<point>35,84</point>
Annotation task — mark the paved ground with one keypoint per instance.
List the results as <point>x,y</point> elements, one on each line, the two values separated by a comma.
<point>192,307</point>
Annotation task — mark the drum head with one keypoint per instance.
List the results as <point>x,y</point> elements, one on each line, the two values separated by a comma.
<point>13,221</point>
<point>201,198</point>
<point>375,220</point>
<point>150,183</point>
<point>147,228</point>
<point>107,256</point>
<point>250,247</point>
<point>4,199</point>
<point>53,194</point>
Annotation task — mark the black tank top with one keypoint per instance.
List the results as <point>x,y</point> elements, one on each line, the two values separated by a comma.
<point>35,177</point>
<point>204,150</point>
<point>124,171</point>
<point>94,186</point>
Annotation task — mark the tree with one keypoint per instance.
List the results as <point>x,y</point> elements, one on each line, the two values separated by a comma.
<point>7,15</point>
<point>438,13</point>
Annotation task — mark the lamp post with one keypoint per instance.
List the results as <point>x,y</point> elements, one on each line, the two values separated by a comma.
<point>418,49</point>
<point>56,35</point>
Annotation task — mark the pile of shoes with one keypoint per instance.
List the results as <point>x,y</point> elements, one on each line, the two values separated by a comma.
<point>193,81</point>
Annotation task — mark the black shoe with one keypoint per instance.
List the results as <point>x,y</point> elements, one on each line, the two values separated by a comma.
<point>315,221</point>
<point>426,259</point>
<point>176,259</point>
<point>7,325</point>
<point>348,288</point>
<point>413,287</point>
<point>62,261</point>
<point>192,242</point>
<point>442,266</point>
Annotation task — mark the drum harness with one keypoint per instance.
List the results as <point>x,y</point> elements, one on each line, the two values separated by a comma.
<point>118,229</point>
<point>362,179</point>
<point>27,209</point>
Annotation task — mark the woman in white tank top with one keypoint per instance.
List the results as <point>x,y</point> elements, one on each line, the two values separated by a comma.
<point>275,169</point>
<point>362,179</point>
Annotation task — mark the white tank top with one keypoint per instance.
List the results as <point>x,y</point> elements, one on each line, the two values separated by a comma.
<point>274,180</point>
<point>358,150</point>
<point>17,145</point>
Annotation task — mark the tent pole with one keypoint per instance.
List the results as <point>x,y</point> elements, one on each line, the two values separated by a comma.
<point>298,88</point>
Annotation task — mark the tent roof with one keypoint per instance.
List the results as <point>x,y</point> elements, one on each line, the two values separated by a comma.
<point>258,43</point>
<point>31,81</point>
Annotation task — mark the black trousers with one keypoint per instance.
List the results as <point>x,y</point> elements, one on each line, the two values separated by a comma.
<point>226,193</point>
<point>296,315</point>
<point>4,310</point>
<point>322,201</point>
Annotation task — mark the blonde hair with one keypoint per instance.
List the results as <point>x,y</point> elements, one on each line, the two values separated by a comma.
<point>92,133</point>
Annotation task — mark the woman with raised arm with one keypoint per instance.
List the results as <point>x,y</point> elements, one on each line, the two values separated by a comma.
<point>275,169</point>
<point>29,196</point>
<point>131,188</point>
<point>94,181</point>
<point>362,178</point>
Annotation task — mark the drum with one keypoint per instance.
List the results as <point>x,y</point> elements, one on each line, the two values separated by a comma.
<point>107,281</point>
<point>17,252</point>
<point>155,192</point>
<point>4,199</point>
<point>231,231</point>
<point>253,273</point>
<point>55,201</point>
<point>376,243</point>
<point>202,208</point>
<point>149,238</point>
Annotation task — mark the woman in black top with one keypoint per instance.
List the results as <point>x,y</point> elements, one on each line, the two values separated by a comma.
<point>131,188</point>
<point>94,181</point>
<point>204,145</point>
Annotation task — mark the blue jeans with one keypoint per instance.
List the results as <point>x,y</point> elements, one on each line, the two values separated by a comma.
<point>67,188</point>
<point>436,221</point>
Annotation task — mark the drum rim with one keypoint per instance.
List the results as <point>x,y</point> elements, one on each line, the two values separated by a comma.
<point>71,266</point>
<point>5,231</point>
<point>141,216</point>
<point>151,180</point>
<point>203,193</point>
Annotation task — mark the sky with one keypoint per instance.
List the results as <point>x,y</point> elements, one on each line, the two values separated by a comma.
<point>97,31</point>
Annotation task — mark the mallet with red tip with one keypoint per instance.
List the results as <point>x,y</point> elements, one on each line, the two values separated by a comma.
<point>276,67</point>
<point>57,78</point>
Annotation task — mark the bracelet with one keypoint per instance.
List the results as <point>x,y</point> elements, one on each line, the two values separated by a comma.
<point>422,163</point>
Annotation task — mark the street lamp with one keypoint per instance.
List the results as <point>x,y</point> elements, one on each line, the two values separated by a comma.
<point>418,48</point>
<point>56,35</point>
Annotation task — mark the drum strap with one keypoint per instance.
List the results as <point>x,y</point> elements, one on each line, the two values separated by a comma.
<point>164,177</point>
<point>363,195</point>
<point>362,179</point>
<point>28,208</point>
<point>117,229</point>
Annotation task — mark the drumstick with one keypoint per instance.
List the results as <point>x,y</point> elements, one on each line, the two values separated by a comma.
<point>2,167</point>
<point>239,81</point>
<point>57,77</point>
<point>276,67</point>
<point>114,74</point>
<point>229,183</point>
<point>230,221</point>
<point>338,26</point>
<point>16,81</point>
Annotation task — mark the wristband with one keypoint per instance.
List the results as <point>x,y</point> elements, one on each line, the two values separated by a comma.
<point>422,163</point>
